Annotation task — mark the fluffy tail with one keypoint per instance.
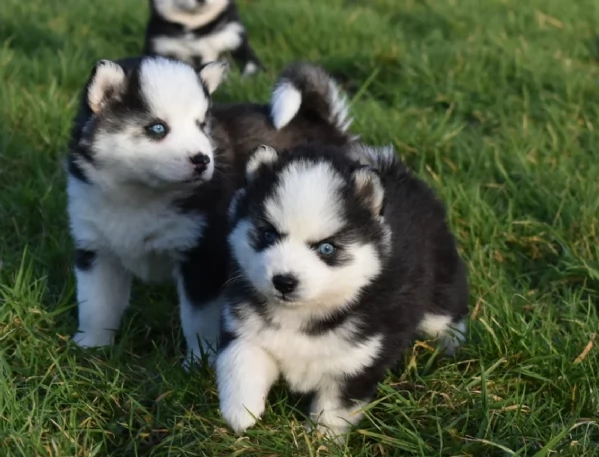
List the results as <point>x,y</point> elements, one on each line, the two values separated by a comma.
<point>383,158</point>
<point>305,87</point>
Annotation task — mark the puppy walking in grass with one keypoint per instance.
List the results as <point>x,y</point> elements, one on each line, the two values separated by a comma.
<point>198,32</point>
<point>152,167</point>
<point>341,257</point>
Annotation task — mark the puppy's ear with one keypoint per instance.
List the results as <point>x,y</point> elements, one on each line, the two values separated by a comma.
<point>107,81</point>
<point>261,155</point>
<point>369,189</point>
<point>213,73</point>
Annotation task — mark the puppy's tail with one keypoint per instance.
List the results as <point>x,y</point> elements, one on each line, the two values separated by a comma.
<point>307,88</point>
<point>382,158</point>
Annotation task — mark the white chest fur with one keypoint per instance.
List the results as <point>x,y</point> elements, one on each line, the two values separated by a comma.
<point>208,47</point>
<point>147,236</point>
<point>308,361</point>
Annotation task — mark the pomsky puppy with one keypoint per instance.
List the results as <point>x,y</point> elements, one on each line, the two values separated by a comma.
<point>198,32</point>
<point>152,166</point>
<point>341,257</point>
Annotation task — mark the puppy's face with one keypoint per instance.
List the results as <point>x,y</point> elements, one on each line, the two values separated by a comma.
<point>150,125</point>
<point>306,233</point>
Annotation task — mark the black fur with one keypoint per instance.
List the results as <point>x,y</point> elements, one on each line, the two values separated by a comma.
<point>159,26</point>
<point>84,259</point>
<point>422,271</point>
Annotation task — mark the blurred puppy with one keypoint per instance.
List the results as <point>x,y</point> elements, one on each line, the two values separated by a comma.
<point>198,32</point>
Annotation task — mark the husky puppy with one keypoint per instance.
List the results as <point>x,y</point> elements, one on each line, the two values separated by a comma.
<point>341,257</point>
<point>152,166</point>
<point>199,31</point>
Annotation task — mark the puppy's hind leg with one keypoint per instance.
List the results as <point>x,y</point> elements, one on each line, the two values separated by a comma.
<point>200,277</point>
<point>200,322</point>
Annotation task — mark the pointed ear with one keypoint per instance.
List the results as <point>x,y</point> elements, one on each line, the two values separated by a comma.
<point>259,156</point>
<point>107,80</point>
<point>213,73</point>
<point>369,189</point>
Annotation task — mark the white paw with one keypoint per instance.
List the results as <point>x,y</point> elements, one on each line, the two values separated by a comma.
<point>334,434</point>
<point>93,339</point>
<point>451,340</point>
<point>241,417</point>
<point>250,69</point>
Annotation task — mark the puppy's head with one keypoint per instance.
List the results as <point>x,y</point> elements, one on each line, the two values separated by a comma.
<point>169,8</point>
<point>308,228</point>
<point>147,123</point>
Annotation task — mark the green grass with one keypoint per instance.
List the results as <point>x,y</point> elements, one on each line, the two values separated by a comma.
<point>494,102</point>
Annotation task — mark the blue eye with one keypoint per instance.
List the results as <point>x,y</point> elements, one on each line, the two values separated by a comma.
<point>269,236</point>
<point>326,249</point>
<point>157,130</point>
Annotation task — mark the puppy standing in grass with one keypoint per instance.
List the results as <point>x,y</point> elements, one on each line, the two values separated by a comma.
<point>152,167</point>
<point>340,257</point>
<point>198,32</point>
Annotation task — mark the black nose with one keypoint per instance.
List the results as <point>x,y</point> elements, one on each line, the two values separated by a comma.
<point>200,161</point>
<point>284,283</point>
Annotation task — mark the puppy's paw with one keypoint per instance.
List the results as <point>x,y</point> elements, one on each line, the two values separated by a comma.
<point>93,338</point>
<point>251,68</point>
<point>452,339</point>
<point>240,417</point>
<point>336,435</point>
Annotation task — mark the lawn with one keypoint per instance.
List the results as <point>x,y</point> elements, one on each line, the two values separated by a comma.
<point>494,102</point>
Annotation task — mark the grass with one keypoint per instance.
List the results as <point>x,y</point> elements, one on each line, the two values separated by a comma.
<point>494,102</point>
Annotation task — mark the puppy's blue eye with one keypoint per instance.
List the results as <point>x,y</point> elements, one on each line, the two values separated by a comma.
<point>157,130</point>
<point>269,236</point>
<point>326,249</point>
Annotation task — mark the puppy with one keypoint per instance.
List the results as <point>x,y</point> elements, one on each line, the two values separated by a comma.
<point>152,166</point>
<point>199,31</point>
<point>341,256</point>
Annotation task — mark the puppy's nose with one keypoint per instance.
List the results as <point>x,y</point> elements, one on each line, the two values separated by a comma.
<point>200,161</point>
<point>284,283</point>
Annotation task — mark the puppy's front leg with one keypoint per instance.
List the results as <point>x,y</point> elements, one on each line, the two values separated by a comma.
<point>245,374</point>
<point>103,289</point>
<point>335,411</point>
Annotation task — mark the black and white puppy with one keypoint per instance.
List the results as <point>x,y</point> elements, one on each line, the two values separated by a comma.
<point>341,257</point>
<point>152,166</point>
<point>199,31</point>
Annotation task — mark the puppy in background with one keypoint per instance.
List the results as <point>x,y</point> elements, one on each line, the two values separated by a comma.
<point>341,257</point>
<point>198,32</point>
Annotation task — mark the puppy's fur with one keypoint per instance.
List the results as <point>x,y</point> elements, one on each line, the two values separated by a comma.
<point>341,257</point>
<point>198,32</point>
<point>152,167</point>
